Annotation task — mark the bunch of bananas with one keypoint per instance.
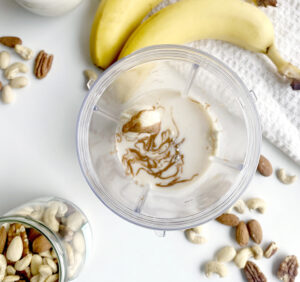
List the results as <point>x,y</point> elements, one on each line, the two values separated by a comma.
<point>117,30</point>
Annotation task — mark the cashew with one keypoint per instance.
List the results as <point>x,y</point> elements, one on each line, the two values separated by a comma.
<point>257,204</point>
<point>11,278</point>
<point>284,178</point>
<point>51,263</point>
<point>52,278</point>
<point>18,82</point>
<point>10,270</point>
<point>62,208</point>
<point>46,254</point>
<point>240,206</point>
<point>36,261</point>
<point>91,77</point>
<point>13,70</point>
<point>26,211</point>
<point>3,265</point>
<point>53,254</point>
<point>49,217</point>
<point>74,221</point>
<point>38,212</point>
<point>25,52</point>
<point>72,270</point>
<point>226,254</point>
<point>23,263</point>
<point>35,278</point>
<point>78,242</point>
<point>193,235</point>
<point>45,270</point>
<point>15,249</point>
<point>242,257</point>
<point>216,267</point>
<point>257,251</point>
<point>4,60</point>
<point>8,96</point>
<point>70,253</point>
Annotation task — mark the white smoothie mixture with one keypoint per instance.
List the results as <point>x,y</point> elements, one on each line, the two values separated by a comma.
<point>165,139</point>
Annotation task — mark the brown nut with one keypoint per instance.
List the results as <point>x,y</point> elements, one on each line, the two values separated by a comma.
<point>295,84</point>
<point>253,273</point>
<point>228,219</point>
<point>270,250</point>
<point>1,86</point>
<point>32,234</point>
<point>242,234</point>
<point>255,231</point>
<point>264,166</point>
<point>3,236</point>
<point>10,41</point>
<point>41,244</point>
<point>288,269</point>
<point>43,64</point>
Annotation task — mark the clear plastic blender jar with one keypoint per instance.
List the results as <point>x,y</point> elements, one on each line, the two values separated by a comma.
<point>199,76</point>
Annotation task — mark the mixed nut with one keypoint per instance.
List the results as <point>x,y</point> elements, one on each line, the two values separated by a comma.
<point>42,66</point>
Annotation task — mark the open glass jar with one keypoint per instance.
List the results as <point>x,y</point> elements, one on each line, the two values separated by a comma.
<point>62,223</point>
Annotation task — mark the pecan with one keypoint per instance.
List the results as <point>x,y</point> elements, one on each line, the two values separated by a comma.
<point>25,241</point>
<point>253,273</point>
<point>270,250</point>
<point>288,269</point>
<point>43,63</point>
<point>10,41</point>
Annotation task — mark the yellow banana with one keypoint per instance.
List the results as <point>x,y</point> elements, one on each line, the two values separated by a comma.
<point>114,21</point>
<point>234,21</point>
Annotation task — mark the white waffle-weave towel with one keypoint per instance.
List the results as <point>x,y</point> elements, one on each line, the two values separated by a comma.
<point>278,105</point>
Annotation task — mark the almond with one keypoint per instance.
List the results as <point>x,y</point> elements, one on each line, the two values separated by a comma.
<point>32,234</point>
<point>255,231</point>
<point>242,234</point>
<point>264,166</point>
<point>41,244</point>
<point>3,236</point>
<point>228,219</point>
<point>10,41</point>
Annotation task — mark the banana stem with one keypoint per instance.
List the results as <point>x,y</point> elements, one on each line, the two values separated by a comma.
<point>284,68</point>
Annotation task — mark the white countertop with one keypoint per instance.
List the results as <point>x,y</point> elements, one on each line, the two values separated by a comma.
<point>38,158</point>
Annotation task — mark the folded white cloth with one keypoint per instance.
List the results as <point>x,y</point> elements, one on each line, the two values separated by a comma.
<point>278,105</point>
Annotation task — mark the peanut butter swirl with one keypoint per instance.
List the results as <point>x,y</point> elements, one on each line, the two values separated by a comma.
<point>155,152</point>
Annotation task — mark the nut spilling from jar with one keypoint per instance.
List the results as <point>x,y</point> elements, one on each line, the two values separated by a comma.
<point>23,255</point>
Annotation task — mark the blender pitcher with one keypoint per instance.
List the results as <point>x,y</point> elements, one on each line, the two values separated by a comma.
<point>194,74</point>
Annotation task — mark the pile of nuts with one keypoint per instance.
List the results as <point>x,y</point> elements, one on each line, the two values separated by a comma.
<point>42,66</point>
<point>288,268</point>
<point>66,222</point>
<point>26,255</point>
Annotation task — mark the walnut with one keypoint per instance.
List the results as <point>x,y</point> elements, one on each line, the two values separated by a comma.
<point>253,273</point>
<point>288,269</point>
<point>43,63</point>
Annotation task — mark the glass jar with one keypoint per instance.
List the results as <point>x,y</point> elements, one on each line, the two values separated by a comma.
<point>63,224</point>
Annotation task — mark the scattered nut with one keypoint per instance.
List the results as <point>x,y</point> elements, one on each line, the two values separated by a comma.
<point>3,264</point>
<point>288,269</point>
<point>240,206</point>
<point>242,257</point>
<point>43,64</point>
<point>255,231</point>
<point>228,219</point>
<point>226,254</point>
<point>19,82</point>
<point>41,244</point>
<point>10,270</point>
<point>8,96</point>
<point>10,41</point>
<point>270,250</point>
<point>25,52</point>
<point>11,278</point>
<point>242,234</point>
<point>253,273</point>
<point>91,77</point>
<point>15,249</point>
<point>257,204</point>
<point>266,3</point>
<point>216,267</point>
<point>257,251</point>
<point>264,166</point>
<point>13,70</point>
<point>284,178</point>
<point>295,84</point>
<point>3,236</point>
<point>193,235</point>
<point>4,60</point>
